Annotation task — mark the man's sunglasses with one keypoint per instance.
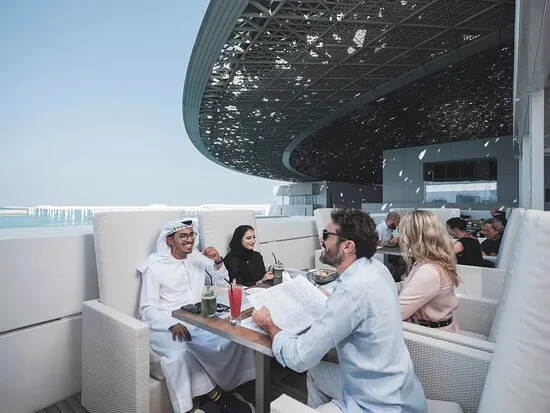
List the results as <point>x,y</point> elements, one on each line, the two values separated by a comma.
<point>326,234</point>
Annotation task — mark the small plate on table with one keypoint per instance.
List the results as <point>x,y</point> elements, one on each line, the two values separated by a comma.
<point>321,276</point>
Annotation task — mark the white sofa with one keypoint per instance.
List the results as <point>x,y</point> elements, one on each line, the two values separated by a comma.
<point>482,319</point>
<point>447,371</point>
<point>292,240</point>
<point>119,371</point>
<point>482,292</point>
<point>116,370</point>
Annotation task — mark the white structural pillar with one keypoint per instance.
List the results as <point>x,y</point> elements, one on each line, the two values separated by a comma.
<point>531,73</point>
<point>531,164</point>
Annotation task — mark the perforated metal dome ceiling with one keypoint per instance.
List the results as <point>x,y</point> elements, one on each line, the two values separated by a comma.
<point>292,74</point>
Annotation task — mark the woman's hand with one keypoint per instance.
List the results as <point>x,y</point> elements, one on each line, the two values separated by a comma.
<point>268,276</point>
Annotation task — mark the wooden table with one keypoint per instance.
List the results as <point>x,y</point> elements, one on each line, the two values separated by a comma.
<point>260,343</point>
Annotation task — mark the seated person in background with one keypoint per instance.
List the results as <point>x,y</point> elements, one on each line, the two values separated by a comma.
<point>500,215</point>
<point>467,247</point>
<point>426,295</point>
<point>243,263</point>
<point>387,238</point>
<point>493,230</point>
<point>361,318</point>
<point>386,228</point>
<point>194,361</point>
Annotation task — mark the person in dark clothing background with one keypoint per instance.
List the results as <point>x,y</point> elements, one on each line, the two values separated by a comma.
<point>243,263</point>
<point>500,215</point>
<point>493,230</point>
<point>467,247</point>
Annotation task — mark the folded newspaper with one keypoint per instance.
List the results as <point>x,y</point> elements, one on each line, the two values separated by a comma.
<point>293,304</point>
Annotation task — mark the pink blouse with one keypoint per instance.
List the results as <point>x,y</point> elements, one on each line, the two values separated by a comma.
<point>428,295</point>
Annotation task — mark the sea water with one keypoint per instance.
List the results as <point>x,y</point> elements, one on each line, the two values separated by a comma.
<point>68,219</point>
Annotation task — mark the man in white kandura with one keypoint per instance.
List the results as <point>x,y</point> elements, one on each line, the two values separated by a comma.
<point>362,320</point>
<point>194,361</point>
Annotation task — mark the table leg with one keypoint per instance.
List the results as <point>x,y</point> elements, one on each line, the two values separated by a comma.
<point>263,382</point>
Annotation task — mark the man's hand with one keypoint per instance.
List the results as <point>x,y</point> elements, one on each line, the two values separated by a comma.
<point>212,253</point>
<point>262,318</point>
<point>268,276</point>
<point>180,332</point>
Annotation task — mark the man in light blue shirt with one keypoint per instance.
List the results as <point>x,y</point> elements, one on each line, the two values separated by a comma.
<point>363,321</point>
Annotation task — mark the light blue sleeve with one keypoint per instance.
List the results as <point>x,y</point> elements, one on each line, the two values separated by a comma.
<point>304,351</point>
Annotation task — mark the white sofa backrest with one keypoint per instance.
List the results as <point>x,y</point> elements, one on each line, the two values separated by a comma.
<point>378,217</point>
<point>401,211</point>
<point>123,240</point>
<point>293,240</point>
<point>509,239</point>
<point>322,219</point>
<point>518,379</point>
<point>216,228</point>
<point>522,263</point>
<point>444,214</point>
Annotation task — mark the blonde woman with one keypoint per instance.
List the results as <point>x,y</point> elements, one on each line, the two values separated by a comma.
<point>426,295</point>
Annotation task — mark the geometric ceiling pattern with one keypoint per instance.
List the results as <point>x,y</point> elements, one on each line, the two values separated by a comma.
<point>285,69</point>
<point>469,100</point>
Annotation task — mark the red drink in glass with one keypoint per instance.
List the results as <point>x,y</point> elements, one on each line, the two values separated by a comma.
<point>235,301</point>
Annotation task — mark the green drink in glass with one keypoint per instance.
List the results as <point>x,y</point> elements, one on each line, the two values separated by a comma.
<point>209,301</point>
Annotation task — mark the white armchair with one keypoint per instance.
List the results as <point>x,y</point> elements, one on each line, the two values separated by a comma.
<point>482,319</point>
<point>514,378</point>
<point>453,376</point>
<point>117,363</point>
<point>488,282</point>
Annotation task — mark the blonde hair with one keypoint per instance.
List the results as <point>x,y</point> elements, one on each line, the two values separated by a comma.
<point>422,235</point>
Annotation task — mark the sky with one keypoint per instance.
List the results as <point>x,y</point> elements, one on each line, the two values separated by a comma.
<point>90,107</point>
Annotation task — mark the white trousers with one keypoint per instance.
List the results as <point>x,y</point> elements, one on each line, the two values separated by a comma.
<point>194,368</point>
<point>324,383</point>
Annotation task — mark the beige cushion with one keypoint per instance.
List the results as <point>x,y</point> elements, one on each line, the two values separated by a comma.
<point>217,227</point>
<point>322,219</point>
<point>123,240</point>
<point>437,406</point>
<point>474,335</point>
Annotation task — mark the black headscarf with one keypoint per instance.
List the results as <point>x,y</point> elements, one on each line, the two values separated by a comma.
<point>236,245</point>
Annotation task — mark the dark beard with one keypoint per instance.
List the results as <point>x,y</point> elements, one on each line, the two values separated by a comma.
<point>331,258</point>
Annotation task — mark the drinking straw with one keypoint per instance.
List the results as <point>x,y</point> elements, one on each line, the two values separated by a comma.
<point>276,260</point>
<point>211,280</point>
<point>230,285</point>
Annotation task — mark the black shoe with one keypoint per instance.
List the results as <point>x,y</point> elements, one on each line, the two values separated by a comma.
<point>234,403</point>
<point>208,406</point>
